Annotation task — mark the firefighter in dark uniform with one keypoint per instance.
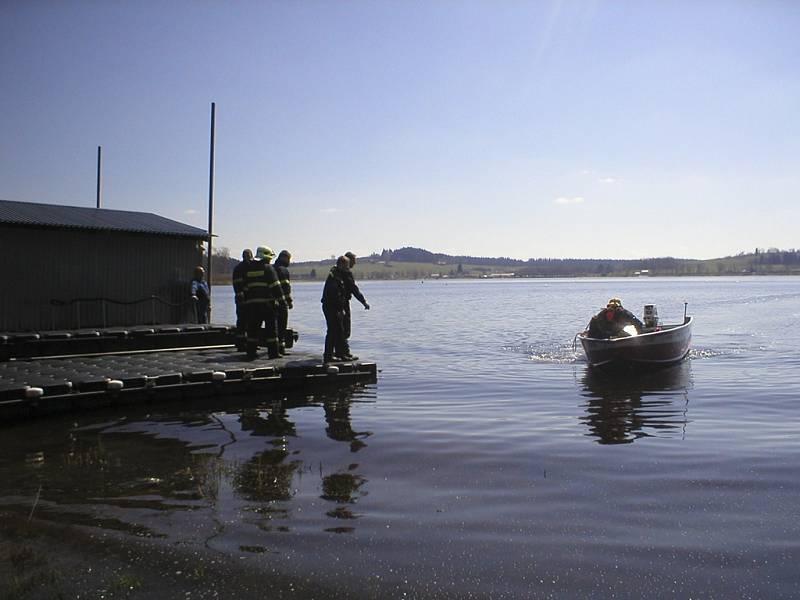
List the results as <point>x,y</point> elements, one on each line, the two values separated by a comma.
<point>352,290</point>
<point>238,295</point>
<point>262,293</point>
<point>334,299</point>
<point>282,268</point>
<point>612,320</point>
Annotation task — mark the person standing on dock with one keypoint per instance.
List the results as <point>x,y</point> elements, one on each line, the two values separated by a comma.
<point>352,290</point>
<point>238,295</point>
<point>262,294</point>
<point>282,268</point>
<point>201,295</point>
<point>334,299</point>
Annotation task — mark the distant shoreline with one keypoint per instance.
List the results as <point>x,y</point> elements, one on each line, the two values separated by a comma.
<point>417,264</point>
<point>226,280</point>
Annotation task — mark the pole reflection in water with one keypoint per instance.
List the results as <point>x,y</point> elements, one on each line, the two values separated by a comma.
<point>238,462</point>
<point>624,406</point>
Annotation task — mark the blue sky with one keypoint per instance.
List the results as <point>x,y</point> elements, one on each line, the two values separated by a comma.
<point>605,129</point>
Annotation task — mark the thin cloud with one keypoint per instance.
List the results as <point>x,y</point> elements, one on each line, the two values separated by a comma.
<point>330,210</point>
<point>608,180</point>
<point>564,201</point>
<point>190,211</point>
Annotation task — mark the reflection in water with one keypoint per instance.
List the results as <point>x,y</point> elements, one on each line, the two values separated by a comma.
<point>343,488</point>
<point>242,455</point>
<point>266,477</point>
<point>88,478</point>
<point>624,406</point>
<point>337,416</point>
<point>270,422</point>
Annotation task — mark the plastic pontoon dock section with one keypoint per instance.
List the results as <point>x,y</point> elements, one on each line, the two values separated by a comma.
<point>114,339</point>
<point>32,385</point>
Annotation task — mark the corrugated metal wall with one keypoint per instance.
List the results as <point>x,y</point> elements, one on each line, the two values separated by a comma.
<point>41,265</point>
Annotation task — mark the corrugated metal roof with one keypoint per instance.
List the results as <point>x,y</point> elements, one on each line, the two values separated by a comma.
<point>32,214</point>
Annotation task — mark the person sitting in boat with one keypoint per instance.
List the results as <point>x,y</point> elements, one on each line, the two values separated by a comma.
<point>612,321</point>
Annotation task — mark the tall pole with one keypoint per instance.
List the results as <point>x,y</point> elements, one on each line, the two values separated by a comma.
<point>99,174</point>
<point>211,193</point>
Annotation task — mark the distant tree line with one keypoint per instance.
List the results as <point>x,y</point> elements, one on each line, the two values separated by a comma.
<point>419,255</point>
<point>222,265</point>
<point>770,261</point>
<point>416,263</point>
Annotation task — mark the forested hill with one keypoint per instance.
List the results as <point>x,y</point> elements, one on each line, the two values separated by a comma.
<point>418,255</point>
<point>761,261</point>
<point>417,263</point>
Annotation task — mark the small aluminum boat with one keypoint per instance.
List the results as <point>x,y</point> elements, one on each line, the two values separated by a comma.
<point>660,345</point>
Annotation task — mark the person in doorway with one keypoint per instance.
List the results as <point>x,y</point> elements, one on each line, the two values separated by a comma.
<point>282,268</point>
<point>262,295</point>
<point>612,321</point>
<point>352,290</point>
<point>238,295</point>
<point>334,299</point>
<point>201,295</point>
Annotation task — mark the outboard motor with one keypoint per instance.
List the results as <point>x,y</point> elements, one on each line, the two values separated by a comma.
<point>650,316</point>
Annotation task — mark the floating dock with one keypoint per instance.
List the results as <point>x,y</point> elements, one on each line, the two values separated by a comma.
<point>114,339</point>
<point>35,385</point>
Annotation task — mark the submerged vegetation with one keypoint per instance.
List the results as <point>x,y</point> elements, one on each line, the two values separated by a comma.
<point>416,263</point>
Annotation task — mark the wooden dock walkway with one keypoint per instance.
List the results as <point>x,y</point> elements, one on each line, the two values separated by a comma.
<point>34,387</point>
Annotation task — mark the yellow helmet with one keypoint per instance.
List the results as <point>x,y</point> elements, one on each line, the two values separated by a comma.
<point>265,252</point>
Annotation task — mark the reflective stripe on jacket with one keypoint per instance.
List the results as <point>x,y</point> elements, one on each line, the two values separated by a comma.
<point>261,285</point>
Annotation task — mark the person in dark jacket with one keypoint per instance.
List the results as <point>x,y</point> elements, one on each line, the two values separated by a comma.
<point>612,320</point>
<point>238,295</point>
<point>352,290</point>
<point>201,295</point>
<point>282,268</point>
<point>262,294</point>
<point>334,299</point>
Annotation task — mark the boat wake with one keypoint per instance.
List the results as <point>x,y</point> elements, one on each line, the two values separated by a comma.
<point>549,354</point>
<point>704,353</point>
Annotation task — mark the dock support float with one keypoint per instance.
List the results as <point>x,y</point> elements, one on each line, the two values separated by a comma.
<point>38,387</point>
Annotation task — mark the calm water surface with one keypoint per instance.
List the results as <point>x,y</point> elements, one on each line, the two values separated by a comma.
<point>489,461</point>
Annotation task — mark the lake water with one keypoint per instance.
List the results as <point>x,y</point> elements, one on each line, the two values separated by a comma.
<point>488,461</point>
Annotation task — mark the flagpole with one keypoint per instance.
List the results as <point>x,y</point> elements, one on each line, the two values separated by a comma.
<point>99,174</point>
<point>211,195</point>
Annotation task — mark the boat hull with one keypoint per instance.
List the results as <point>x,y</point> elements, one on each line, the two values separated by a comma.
<point>669,345</point>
